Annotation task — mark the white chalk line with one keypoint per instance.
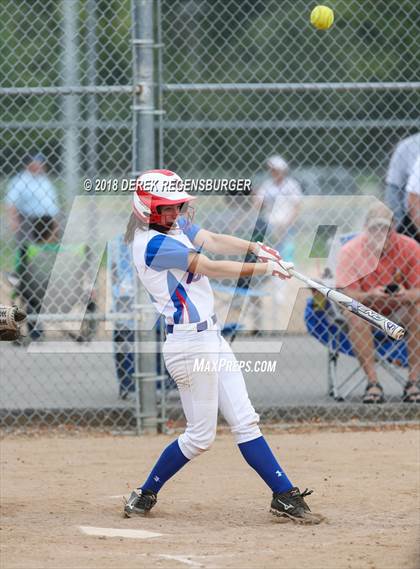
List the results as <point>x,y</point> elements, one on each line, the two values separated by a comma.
<point>118,532</point>
<point>189,559</point>
<point>182,559</point>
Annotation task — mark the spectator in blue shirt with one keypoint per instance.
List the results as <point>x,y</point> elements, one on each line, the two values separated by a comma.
<point>31,200</point>
<point>122,278</point>
<point>120,271</point>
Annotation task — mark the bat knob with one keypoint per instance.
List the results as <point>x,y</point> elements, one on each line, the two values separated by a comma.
<point>396,332</point>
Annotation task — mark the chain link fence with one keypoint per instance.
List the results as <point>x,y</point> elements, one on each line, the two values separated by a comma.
<point>65,113</point>
<point>229,85</point>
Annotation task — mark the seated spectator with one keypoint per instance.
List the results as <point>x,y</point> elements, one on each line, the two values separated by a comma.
<point>380,268</point>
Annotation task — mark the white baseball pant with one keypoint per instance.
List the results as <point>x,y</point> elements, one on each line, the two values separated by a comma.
<point>205,391</point>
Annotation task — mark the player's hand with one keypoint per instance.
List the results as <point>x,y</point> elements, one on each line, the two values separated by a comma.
<point>377,293</point>
<point>265,253</point>
<point>407,296</point>
<point>278,269</point>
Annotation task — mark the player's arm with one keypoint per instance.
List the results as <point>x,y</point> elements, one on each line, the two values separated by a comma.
<point>13,216</point>
<point>395,182</point>
<point>414,209</point>
<point>224,244</point>
<point>199,263</point>
<point>348,280</point>
<point>163,252</point>
<point>347,277</point>
<point>413,194</point>
<point>229,245</point>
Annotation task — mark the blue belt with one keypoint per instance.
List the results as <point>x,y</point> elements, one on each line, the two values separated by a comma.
<point>199,327</point>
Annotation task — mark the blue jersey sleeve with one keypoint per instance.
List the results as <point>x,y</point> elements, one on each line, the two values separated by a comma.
<point>163,252</point>
<point>189,229</point>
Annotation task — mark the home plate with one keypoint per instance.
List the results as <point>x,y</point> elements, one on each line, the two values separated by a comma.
<point>115,532</point>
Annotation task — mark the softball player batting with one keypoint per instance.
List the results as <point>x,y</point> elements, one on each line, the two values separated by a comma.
<point>167,253</point>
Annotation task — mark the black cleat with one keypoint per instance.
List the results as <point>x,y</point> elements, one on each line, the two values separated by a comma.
<point>139,503</point>
<point>292,505</point>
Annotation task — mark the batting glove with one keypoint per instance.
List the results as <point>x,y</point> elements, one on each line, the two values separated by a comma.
<point>266,253</point>
<point>278,269</point>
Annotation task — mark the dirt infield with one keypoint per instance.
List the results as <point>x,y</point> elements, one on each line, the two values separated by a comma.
<point>214,514</point>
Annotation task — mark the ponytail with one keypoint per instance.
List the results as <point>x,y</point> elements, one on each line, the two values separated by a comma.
<point>132,225</point>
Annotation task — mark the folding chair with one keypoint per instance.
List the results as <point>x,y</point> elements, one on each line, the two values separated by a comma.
<point>325,322</point>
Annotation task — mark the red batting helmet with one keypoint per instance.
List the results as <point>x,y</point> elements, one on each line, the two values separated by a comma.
<point>156,188</point>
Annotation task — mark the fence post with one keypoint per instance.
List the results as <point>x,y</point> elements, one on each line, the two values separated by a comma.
<point>143,159</point>
<point>70,101</point>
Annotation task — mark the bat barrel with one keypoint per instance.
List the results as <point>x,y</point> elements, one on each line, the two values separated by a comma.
<point>381,322</point>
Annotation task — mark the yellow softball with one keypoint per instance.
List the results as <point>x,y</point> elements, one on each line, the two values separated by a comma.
<point>322,17</point>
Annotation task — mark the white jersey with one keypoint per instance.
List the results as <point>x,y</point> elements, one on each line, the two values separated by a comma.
<point>403,159</point>
<point>413,183</point>
<point>280,200</point>
<point>161,261</point>
<point>400,168</point>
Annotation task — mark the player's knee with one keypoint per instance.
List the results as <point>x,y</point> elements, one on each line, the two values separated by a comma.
<point>203,446</point>
<point>205,441</point>
<point>247,430</point>
<point>197,443</point>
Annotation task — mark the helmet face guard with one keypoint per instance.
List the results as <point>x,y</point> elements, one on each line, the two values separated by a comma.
<point>156,189</point>
<point>167,221</point>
